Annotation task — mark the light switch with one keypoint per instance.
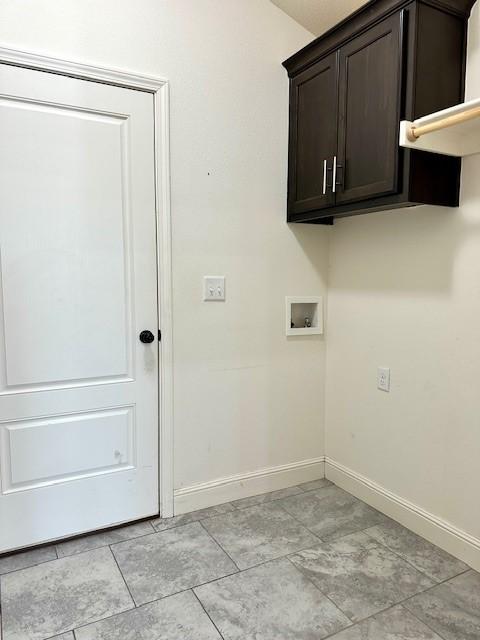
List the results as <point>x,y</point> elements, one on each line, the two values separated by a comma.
<point>214,288</point>
<point>383,378</point>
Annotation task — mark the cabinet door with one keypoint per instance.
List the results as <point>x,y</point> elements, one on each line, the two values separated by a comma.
<point>313,136</point>
<point>370,92</point>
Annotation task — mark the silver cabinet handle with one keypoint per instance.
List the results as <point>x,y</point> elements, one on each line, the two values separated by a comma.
<point>324,177</point>
<point>334,176</point>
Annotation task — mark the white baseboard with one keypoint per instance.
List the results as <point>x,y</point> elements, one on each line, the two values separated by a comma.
<point>445,535</point>
<point>244,485</point>
<point>442,533</point>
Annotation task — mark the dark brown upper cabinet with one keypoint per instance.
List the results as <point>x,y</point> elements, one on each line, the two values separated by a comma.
<point>349,90</point>
<point>370,98</point>
<point>313,141</point>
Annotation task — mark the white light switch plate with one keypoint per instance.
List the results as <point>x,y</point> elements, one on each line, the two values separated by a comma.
<point>214,288</point>
<point>383,378</point>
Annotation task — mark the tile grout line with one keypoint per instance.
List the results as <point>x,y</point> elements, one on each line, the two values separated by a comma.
<point>107,544</point>
<point>72,631</point>
<point>425,591</point>
<point>259,504</point>
<point>183,524</point>
<point>77,553</point>
<point>413,566</point>
<point>29,566</point>
<point>281,557</point>
<point>206,612</point>
<point>148,602</point>
<point>374,615</point>
<point>401,603</point>
<point>210,535</point>
<point>111,616</point>
<point>440,635</point>
<point>257,564</point>
<point>324,595</point>
<point>144,604</point>
<point>308,528</point>
<point>201,584</point>
<point>395,553</point>
<point>123,578</point>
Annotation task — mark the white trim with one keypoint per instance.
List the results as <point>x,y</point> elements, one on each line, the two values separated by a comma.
<point>165,298</point>
<point>74,69</point>
<point>426,524</point>
<point>160,89</point>
<point>243,485</point>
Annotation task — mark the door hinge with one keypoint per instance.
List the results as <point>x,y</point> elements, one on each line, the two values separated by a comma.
<point>159,335</point>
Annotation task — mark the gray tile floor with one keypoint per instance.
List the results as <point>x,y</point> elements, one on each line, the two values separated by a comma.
<point>304,563</point>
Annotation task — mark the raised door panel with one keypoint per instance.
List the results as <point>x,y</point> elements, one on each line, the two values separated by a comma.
<point>370,91</point>
<point>313,136</point>
<point>40,452</point>
<point>64,262</point>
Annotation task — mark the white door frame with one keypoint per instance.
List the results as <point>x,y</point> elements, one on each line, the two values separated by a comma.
<point>159,88</point>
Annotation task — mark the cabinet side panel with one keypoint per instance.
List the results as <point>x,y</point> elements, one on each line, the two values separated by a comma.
<point>439,83</point>
<point>439,74</point>
<point>436,178</point>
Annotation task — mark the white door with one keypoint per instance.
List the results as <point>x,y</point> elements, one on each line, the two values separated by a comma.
<point>78,390</point>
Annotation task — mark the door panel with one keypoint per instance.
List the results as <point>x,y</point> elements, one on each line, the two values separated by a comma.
<point>66,447</point>
<point>74,246</point>
<point>78,391</point>
<point>313,132</point>
<point>369,112</point>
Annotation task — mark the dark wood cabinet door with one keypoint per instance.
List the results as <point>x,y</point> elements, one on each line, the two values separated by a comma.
<point>370,92</point>
<point>313,136</point>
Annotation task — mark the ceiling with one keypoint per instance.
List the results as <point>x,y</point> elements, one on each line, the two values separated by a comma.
<point>318,15</point>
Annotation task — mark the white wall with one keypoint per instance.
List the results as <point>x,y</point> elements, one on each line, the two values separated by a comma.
<point>246,397</point>
<point>404,292</point>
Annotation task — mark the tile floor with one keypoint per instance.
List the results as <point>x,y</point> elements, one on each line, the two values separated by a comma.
<point>304,563</point>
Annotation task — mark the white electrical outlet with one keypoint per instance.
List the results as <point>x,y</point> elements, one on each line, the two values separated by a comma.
<point>214,288</point>
<point>383,378</point>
